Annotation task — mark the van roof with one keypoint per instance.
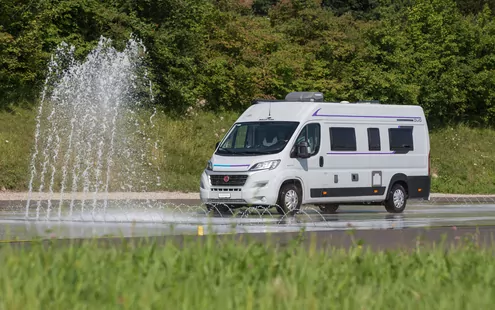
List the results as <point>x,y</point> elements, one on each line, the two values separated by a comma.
<point>308,109</point>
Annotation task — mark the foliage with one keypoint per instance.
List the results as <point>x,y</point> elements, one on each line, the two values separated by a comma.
<point>474,6</point>
<point>439,54</point>
<point>261,7</point>
<point>359,8</point>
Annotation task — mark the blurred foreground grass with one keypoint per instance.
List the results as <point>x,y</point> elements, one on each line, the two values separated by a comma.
<point>462,159</point>
<point>231,275</point>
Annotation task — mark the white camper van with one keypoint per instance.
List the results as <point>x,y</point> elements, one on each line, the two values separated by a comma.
<point>303,150</point>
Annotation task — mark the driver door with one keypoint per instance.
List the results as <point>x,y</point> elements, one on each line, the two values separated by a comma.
<point>308,169</point>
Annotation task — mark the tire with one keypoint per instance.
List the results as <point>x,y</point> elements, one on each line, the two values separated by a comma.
<point>397,199</point>
<point>328,208</point>
<point>289,199</point>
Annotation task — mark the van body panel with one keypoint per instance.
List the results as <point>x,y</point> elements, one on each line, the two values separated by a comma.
<point>357,153</point>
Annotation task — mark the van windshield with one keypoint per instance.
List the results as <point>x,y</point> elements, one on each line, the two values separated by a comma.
<point>257,138</point>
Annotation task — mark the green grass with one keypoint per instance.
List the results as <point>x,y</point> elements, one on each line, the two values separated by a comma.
<point>231,275</point>
<point>461,157</point>
<point>16,140</point>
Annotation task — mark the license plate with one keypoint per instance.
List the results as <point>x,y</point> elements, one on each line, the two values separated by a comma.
<point>224,195</point>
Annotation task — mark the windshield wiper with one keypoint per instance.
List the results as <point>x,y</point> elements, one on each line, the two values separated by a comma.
<point>225,150</point>
<point>229,151</point>
<point>262,152</point>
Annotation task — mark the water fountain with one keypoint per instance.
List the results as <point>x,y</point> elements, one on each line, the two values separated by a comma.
<point>89,136</point>
<point>94,138</point>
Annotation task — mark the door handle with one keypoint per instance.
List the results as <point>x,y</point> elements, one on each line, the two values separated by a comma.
<point>321,161</point>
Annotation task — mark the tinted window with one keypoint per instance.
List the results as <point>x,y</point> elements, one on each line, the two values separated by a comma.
<point>374,139</point>
<point>342,139</point>
<point>311,134</point>
<point>401,139</point>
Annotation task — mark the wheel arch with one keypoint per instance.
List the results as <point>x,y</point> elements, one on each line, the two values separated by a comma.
<point>292,180</point>
<point>398,178</point>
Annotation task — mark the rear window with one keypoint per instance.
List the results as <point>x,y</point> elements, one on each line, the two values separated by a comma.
<point>401,139</point>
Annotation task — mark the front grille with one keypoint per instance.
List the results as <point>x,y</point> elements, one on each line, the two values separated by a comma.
<point>233,180</point>
<point>216,189</point>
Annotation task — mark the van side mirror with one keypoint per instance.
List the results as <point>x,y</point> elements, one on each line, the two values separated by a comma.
<point>216,145</point>
<point>302,150</point>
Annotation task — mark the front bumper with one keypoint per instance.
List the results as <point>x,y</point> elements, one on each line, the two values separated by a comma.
<point>259,189</point>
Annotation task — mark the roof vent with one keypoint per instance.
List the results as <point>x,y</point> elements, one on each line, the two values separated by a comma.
<point>369,101</point>
<point>304,96</point>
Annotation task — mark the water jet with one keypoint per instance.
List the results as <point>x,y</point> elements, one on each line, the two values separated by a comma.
<point>90,138</point>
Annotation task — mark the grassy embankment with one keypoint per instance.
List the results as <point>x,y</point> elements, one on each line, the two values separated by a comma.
<point>244,276</point>
<point>462,157</point>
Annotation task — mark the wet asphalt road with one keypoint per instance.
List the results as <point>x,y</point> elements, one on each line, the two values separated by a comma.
<point>163,220</point>
<point>408,239</point>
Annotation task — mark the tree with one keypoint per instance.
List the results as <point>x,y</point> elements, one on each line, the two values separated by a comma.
<point>261,7</point>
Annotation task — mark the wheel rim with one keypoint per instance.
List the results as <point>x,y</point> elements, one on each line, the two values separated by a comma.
<point>398,198</point>
<point>291,200</point>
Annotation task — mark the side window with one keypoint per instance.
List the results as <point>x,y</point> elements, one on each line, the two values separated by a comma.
<point>342,139</point>
<point>401,139</point>
<point>240,138</point>
<point>374,139</point>
<point>311,134</point>
<point>237,138</point>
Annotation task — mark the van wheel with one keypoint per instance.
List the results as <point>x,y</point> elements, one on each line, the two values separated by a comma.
<point>328,208</point>
<point>397,199</point>
<point>289,199</point>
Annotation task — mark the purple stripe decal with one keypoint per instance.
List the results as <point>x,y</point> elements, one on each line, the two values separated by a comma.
<point>218,165</point>
<point>355,153</point>
<point>363,116</point>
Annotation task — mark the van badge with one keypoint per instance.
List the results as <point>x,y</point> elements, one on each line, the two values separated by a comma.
<point>226,178</point>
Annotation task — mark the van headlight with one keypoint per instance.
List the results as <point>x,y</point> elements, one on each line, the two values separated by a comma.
<point>209,166</point>
<point>266,165</point>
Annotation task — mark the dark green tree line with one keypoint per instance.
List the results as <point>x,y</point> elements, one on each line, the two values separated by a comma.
<point>439,54</point>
